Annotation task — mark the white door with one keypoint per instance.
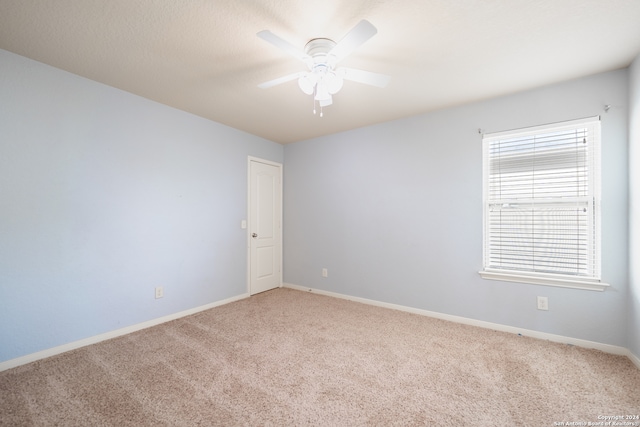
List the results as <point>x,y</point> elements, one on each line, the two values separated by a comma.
<point>265,225</point>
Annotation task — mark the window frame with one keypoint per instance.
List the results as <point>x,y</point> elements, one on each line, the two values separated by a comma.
<point>565,280</point>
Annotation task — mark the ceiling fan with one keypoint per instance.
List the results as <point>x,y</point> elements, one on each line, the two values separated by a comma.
<point>321,56</point>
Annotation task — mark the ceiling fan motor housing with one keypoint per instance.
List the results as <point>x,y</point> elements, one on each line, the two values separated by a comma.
<point>318,50</point>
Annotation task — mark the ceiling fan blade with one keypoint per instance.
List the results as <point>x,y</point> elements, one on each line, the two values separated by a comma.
<point>280,80</point>
<point>354,38</point>
<point>364,77</point>
<point>268,36</point>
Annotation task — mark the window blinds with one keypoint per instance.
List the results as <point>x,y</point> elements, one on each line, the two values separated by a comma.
<point>541,194</point>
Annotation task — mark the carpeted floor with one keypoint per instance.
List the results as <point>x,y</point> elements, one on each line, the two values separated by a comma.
<point>287,357</point>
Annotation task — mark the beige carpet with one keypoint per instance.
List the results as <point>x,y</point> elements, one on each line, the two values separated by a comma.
<point>287,357</point>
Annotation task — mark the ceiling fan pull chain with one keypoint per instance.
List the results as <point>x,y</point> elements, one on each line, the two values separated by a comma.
<point>314,100</point>
<point>314,105</point>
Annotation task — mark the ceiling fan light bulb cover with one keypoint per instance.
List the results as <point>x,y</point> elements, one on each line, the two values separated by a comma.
<point>334,84</point>
<point>306,85</point>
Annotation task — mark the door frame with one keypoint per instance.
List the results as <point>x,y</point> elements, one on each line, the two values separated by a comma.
<point>249,225</point>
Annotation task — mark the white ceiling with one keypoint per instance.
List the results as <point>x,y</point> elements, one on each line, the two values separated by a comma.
<point>203,56</point>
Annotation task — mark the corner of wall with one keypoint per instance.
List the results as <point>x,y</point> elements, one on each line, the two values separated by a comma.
<point>633,309</point>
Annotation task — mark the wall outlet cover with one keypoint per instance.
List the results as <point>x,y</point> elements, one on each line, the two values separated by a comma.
<point>543,303</point>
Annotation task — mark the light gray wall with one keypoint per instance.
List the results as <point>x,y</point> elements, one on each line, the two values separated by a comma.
<point>394,212</point>
<point>105,195</point>
<point>634,207</point>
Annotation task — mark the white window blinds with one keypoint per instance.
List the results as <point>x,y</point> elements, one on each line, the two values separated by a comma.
<point>541,200</point>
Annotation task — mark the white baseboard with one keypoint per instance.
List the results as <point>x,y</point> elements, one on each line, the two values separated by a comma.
<point>607,348</point>
<point>23,360</point>
<point>635,359</point>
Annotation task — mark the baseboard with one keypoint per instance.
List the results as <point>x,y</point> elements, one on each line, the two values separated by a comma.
<point>635,359</point>
<point>607,348</point>
<point>23,360</point>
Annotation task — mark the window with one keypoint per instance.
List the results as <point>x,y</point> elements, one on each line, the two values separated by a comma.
<point>542,205</point>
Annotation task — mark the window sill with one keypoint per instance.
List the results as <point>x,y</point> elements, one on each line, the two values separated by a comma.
<point>590,285</point>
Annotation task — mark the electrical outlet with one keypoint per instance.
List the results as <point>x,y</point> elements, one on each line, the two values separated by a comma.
<point>159,292</point>
<point>543,303</point>
<point>325,273</point>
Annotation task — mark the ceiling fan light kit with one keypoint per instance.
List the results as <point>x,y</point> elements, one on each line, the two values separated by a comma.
<point>321,56</point>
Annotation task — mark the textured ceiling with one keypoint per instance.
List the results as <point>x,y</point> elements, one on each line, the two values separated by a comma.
<point>203,56</point>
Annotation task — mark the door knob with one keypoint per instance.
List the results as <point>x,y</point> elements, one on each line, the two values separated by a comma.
<point>254,235</point>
